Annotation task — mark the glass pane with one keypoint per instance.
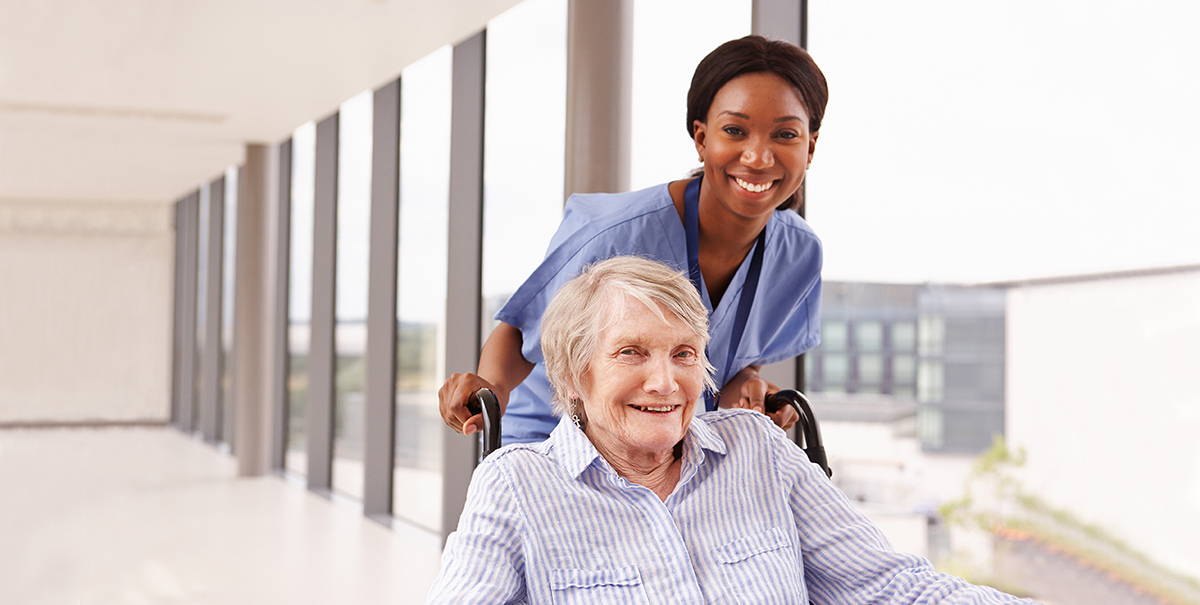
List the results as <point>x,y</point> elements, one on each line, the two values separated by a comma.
<point>355,117</point>
<point>836,368</point>
<point>930,381</point>
<point>870,370</point>
<point>523,145</point>
<point>904,336</point>
<point>868,335</point>
<point>834,335</point>
<point>300,257</point>
<point>931,333</point>
<point>201,306</point>
<point>665,54</point>
<point>421,300</point>
<point>228,260</point>
<point>904,369</point>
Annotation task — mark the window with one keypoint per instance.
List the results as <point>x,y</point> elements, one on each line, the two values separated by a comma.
<point>421,281</point>
<point>870,370</point>
<point>931,334</point>
<point>833,335</point>
<point>304,141</point>
<point>836,367</point>
<point>355,117</point>
<point>524,145</point>
<point>868,335</point>
<point>930,381</point>
<point>904,336</point>
<point>904,369</point>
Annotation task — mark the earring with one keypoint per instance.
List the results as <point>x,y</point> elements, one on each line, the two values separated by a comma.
<point>580,423</point>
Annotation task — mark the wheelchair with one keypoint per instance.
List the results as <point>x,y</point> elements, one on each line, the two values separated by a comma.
<point>485,402</point>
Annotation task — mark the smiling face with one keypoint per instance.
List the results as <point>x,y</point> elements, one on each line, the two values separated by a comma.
<point>755,145</point>
<point>644,380</point>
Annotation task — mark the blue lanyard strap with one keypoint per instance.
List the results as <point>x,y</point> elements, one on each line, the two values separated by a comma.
<point>691,226</point>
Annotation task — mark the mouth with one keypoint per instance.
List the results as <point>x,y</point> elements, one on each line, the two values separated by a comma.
<point>754,187</point>
<point>655,409</point>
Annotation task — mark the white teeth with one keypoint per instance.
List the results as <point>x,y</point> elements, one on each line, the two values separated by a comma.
<point>752,187</point>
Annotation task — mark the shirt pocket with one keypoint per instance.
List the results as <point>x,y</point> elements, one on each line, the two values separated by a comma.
<point>762,568</point>
<point>578,586</point>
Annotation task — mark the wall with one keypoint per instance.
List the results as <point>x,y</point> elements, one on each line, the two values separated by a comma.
<point>1102,394</point>
<point>85,311</point>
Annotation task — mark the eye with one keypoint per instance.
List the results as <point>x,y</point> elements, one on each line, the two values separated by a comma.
<point>628,351</point>
<point>685,355</point>
<point>788,135</point>
<point>733,131</point>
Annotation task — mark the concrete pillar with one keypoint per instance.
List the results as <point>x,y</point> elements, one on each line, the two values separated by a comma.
<point>599,95</point>
<point>785,20</point>
<point>209,406</point>
<point>250,352</point>
<point>318,415</point>
<point>380,387</point>
<point>279,221</point>
<point>464,277</point>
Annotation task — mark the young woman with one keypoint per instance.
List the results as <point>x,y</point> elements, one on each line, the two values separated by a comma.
<point>753,112</point>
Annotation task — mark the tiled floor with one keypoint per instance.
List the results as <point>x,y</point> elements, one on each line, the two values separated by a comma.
<point>145,515</point>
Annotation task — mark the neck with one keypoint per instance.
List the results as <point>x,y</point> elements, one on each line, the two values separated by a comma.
<point>658,471</point>
<point>720,230</point>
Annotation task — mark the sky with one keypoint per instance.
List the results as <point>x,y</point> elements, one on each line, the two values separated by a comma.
<point>971,142</point>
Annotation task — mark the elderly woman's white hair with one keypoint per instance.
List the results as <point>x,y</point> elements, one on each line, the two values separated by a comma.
<point>587,305</point>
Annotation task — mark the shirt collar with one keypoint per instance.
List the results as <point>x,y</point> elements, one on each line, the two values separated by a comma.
<point>575,452</point>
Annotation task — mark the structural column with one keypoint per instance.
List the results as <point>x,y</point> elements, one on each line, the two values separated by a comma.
<point>185,330</point>
<point>599,95</point>
<point>380,388</point>
<point>279,263</point>
<point>250,351</point>
<point>319,410</point>
<point>785,20</point>
<point>209,408</point>
<point>464,283</point>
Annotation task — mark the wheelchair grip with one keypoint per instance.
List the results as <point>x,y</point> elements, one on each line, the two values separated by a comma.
<point>813,446</point>
<point>484,402</point>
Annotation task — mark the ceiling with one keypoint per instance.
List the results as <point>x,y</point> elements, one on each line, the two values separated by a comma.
<point>132,100</point>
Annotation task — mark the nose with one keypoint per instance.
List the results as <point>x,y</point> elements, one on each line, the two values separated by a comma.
<point>757,155</point>
<point>660,377</point>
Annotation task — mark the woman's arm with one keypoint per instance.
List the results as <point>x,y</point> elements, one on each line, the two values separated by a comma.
<point>483,561</point>
<point>749,390</point>
<point>501,369</point>
<point>847,559</point>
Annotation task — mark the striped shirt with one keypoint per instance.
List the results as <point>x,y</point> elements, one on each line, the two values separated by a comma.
<point>751,520</point>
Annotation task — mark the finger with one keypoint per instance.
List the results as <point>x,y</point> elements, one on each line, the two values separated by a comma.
<point>473,425</point>
<point>755,394</point>
<point>461,413</point>
<point>785,417</point>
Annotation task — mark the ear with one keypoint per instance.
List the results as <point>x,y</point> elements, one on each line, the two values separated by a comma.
<point>812,145</point>
<point>698,136</point>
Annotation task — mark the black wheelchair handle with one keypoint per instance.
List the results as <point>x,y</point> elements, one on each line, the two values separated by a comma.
<point>813,446</point>
<point>484,402</point>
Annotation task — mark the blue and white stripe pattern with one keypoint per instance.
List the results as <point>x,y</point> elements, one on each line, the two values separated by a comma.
<point>750,521</point>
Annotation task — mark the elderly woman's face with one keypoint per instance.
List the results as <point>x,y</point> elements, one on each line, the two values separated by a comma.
<point>644,381</point>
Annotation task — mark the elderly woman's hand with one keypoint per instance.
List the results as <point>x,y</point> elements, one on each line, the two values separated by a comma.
<point>748,390</point>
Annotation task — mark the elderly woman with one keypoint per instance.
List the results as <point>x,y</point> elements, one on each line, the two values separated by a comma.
<point>633,499</point>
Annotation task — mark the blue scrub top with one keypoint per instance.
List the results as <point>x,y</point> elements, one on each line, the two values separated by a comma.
<point>784,322</point>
